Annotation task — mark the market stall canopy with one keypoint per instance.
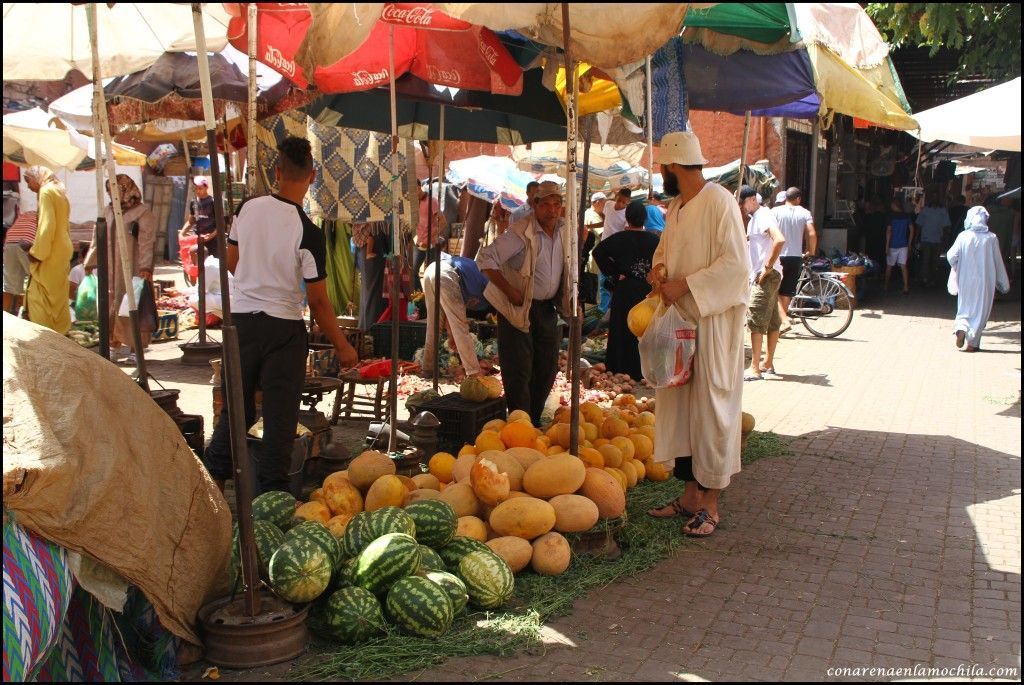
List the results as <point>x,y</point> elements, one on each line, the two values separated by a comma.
<point>491,178</point>
<point>611,166</point>
<point>434,50</point>
<point>112,480</point>
<point>605,35</point>
<point>29,139</point>
<point>988,119</point>
<point>132,36</point>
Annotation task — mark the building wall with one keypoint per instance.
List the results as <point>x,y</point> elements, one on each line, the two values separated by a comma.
<point>721,139</point>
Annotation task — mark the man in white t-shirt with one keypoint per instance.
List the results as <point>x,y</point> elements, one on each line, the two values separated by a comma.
<point>797,226</point>
<point>615,217</point>
<point>766,243</point>
<point>274,251</point>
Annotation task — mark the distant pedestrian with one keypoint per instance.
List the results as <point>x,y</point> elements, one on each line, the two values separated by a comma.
<point>899,236</point>
<point>17,242</point>
<point>797,226</point>
<point>977,271</point>
<point>933,222</point>
<point>50,257</point>
<point>765,243</point>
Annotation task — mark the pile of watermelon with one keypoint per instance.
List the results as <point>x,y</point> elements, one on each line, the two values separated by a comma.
<point>406,567</point>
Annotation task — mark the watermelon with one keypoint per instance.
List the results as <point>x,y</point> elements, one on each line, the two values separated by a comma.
<point>300,571</point>
<point>453,552</point>
<point>342,576</point>
<point>268,538</point>
<point>275,506</point>
<point>357,535</point>
<point>435,521</point>
<point>455,588</point>
<point>488,578</point>
<point>430,560</point>
<point>420,607</point>
<point>385,560</point>
<point>390,520</point>
<point>321,535</point>
<point>353,615</point>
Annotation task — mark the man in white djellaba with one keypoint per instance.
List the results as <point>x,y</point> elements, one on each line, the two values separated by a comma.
<point>977,269</point>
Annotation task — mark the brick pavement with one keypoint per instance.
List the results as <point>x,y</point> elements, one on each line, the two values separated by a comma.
<point>889,537</point>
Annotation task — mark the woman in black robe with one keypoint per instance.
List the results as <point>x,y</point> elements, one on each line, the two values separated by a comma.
<point>625,260</point>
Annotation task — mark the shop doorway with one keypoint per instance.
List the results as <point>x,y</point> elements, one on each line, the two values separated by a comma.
<point>798,160</point>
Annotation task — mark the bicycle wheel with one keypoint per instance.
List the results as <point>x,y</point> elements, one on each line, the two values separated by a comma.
<point>835,305</point>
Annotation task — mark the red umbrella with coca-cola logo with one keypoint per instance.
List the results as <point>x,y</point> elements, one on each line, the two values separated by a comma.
<point>428,43</point>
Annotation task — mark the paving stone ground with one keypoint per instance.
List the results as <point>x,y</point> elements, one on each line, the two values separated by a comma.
<point>888,537</point>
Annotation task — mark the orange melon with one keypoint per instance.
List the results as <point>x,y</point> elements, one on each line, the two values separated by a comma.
<point>460,472</point>
<point>466,449</point>
<point>574,513</point>
<point>318,496</point>
<point>558,475</point>
<point>526,456</point>
<point>656,471</point>
<point>516,552</point>
<point>620,477</point>
<point>472,527</point>
<point>421,494</point>
<point>494,425</point>
<point>426,480</point>
<point>386,491</point>
<point>612,455</point>
<point>408,482</point>
<point>518,434</point>
<point>591,457</point>
<point>626,445</point>
<point>510,466</point>
<point>368,467</point>
<point>489,486</point>
<point>461,498</point>
<point>630,471</point>
<point>338,524</point>
<point>519,415</point>
<point>441,465</point>
<point>604,490</point>
<point>523,517</point>
<point>613,427</point>
<point>489,440</point>
<point>642,446</point>
<point>592,413</point>
<point>646,418</point>
<point>341,497</point>
<point>551,555</point>
<point>314,511</point>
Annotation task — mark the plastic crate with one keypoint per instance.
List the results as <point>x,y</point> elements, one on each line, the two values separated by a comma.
<point>412,335</point>
<point>461,420</point>
<point>166,326</point>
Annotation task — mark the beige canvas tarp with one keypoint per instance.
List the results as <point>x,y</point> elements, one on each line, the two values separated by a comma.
<point>93,464</point>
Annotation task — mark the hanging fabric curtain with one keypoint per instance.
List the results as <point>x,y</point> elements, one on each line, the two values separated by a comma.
<point>342,286</point>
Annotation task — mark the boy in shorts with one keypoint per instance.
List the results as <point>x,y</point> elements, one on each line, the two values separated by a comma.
<point>899,236</point>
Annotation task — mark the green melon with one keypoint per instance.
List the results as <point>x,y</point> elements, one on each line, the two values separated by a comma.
<point>488,578</point>
<point>385,560</point>
<point>390,520</point>
<point>275,506</point>
<point>353,615</point>
<point>320,534</point>
<point>300,571</point>
<point>453,552</point>
<point>357,535</point>
<point>342,576</point>
<point>268,538</point>
<point>435,521</point>
<point>430,560</point>
<point>455,588</point>
<point>420,607</point>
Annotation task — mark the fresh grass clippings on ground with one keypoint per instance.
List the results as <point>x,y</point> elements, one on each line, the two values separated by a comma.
<point>644,541</point>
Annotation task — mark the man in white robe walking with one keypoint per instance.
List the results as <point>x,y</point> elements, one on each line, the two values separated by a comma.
<point>702,267</point>
<point>977,270</point>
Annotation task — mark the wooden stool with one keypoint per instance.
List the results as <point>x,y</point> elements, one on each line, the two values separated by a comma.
<point>359,407</point>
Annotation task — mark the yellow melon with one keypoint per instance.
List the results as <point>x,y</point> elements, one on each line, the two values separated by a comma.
<point>589,431</point>
<point>561,436</point>
<point>338,524</point>
<point>314,511</point>
<point>574,513</point>
<point>518,434</point>
<point>472,527</point>
<point>318,496</point>
<point>601,441</point>
<point>592,413</point>
<point>489,486</point>
<point>541,443</point>
<point>494,425</point>
<point>613,427</point>
<point>625,445</point>
<point>466,449</point>
<point>648,431</point>
<point>748,423</point>
<point>337,475</point>
<point>523,517</point>
<point>461,498</point>
<point>643,447</point>
<point>526,456</point>
<point>426,481</point>
<point>555,449</point>
<point>558,475</point>
<point>386,491</point>
<point>551,555</point>
<point>341,497</point>
<point>516,552</point>
<point>641,470</point>
<point>489,440</point>
<point>612,455</point>
<point>591,457</point>
<point>645,418</point>
<point>460,472</point>
<point>511,467</point>
<point>603,489</point>
<point>630,471</point>
<point>493,386</point>
<point>619,476</point>
<point>421,494</point>
<point>513,494</point>
<point>641,315</point>
<point>656,471</point>
<point>519,415</point>
<point>368,467</point>
<point>441,465</point>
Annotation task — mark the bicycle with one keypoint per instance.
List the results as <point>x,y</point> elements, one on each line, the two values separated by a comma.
<point>822,302</point>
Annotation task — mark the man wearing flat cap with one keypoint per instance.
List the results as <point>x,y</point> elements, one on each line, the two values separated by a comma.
<point>524,267</point>
<point>702,268</point>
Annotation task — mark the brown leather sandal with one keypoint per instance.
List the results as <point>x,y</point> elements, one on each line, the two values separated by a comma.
<point>697,522</point>
<point>676,508</point>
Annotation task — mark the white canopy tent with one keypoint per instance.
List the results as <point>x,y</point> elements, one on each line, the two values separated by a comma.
<point>989,119</point>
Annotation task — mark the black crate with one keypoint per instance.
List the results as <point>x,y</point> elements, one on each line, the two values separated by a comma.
<point>461,419</point>
<point>412,335</point>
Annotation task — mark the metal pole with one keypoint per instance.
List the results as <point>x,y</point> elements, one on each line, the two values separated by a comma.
<point>815,139</point>
<point>572,124</point>
<point>102,247</point>
<point>743,152</point>
<point>650,134</point>
<point>250,144</point>
<point>396,252</point>
<point>200,248</point>
<point>435,371</point>
<point>437,279</point>
<point>115,202</point>
<point>234,395</point>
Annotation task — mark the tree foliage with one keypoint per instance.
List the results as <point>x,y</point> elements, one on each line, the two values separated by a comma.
<point>986,34</point>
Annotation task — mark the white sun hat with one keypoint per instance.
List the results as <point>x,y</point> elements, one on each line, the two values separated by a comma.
<point>680,147</point>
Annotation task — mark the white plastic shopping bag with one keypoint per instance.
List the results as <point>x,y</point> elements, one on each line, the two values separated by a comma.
<point>137,285</point>
<point>668,348</point>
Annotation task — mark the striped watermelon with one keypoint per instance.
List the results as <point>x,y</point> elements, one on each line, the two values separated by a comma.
<point>357,535</point>
<point>321,535</point>
<point>275,506</point>
<point>268,538</point>
<point>353,615</point>
<point>420,607</point>
<point>299,571</point>
<point>391,520</point>
<point>342,576</point>
<point>453,552</point>
<point>455,588</point>
<point>430,560</point>
<point>488,578</point>
<point>435,521</point>
<point>385,560</point>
